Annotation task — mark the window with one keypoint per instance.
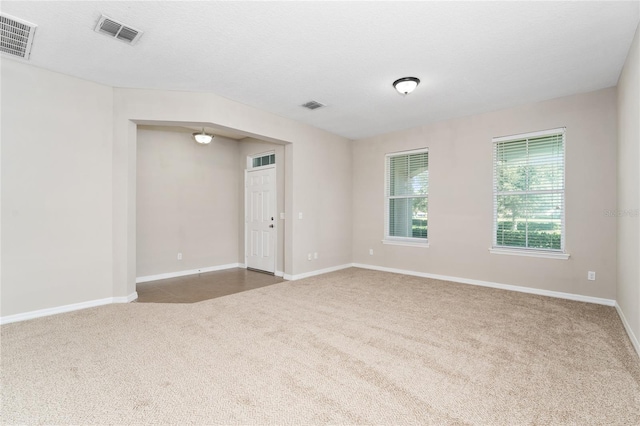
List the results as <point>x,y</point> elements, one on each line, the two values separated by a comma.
<point>528,193</point>
<point>263,160</point>
<point>406,197</point>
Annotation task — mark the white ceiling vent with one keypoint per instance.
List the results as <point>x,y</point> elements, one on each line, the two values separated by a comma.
<point>118,30</point>
<point>16,36</point>
<point>313,105</point>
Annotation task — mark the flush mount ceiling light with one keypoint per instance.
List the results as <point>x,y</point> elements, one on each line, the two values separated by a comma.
<point>406,85</point>
<point>203,138</point>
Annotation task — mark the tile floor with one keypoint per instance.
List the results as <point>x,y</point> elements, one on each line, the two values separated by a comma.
<point>209,285</point>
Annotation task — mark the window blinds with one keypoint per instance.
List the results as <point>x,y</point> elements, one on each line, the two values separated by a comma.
<point>407,183</point>
<point>529,191</point>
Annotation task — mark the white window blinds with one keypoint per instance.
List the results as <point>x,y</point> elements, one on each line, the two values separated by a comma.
<point>528,191</point>
<point>406,196</point>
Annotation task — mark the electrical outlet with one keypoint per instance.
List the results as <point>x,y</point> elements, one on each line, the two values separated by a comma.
<point>591,276</point>
<point>315,255</point>
<point>300,215</point>
<point>179,256</point>
<point>309,256</point>
<point>370,252</point>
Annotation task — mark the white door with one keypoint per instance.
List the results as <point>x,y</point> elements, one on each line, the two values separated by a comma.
<point>260,218</point>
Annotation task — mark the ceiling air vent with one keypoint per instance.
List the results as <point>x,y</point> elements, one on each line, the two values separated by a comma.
<point>313,105</point>
<point>16,36</point>
<point>118,30</point>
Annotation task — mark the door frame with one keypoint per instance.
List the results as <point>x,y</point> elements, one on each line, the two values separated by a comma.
<point>249,168</point>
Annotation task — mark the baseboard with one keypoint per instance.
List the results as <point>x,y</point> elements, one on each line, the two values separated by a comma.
<point>126,299</point>
<point>67,308</point>
<point>627,327</point>
<point>188,272</point>
<point>530,290</point>
<point>318,272</point>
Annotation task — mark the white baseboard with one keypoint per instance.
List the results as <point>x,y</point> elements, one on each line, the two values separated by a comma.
<point>126,299</point>
<point>627,327</point>
<point>188,272</point>
<point>530,290</point>
<point>67,308</point>
<point>318,272</point>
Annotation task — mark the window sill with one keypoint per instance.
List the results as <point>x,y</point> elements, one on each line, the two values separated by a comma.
<point>406,243</point>
<point>530,253</point>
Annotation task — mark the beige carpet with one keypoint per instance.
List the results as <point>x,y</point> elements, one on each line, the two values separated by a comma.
<point>351,347</point>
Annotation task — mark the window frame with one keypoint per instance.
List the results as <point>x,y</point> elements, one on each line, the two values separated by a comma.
<point>527,251</point>
<point>251,158</point>
<point>402,241</point>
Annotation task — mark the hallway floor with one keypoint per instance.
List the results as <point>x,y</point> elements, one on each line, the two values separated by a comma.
<point>208,285</point>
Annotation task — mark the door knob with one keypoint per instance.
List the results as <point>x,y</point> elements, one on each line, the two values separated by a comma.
<point>271,226</point>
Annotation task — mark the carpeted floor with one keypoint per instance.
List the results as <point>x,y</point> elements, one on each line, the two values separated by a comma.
<point>350,347</point>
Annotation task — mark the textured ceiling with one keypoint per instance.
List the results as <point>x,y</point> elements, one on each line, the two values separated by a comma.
<point>472,57</point>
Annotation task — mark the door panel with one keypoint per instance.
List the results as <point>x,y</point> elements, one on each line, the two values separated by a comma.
<point>260,219</point>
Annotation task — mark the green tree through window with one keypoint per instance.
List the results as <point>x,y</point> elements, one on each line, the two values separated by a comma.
<point>407,184</point>
<point>529,191</point>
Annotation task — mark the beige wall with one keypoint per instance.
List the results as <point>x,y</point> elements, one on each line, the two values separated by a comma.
<point>460,197</point>
<point>56,189</point>
<point>250,147</point>
<point>628,294</point>
<point>323,192</point>
<point>69,184</point>
<point>187,201</point>
<point>69,201</point>
<point>317,183</point>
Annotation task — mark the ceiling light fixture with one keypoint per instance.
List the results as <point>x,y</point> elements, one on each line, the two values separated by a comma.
<point>203,138</point>
<point>406,85</point>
